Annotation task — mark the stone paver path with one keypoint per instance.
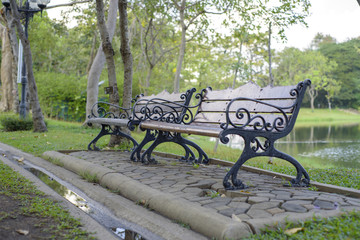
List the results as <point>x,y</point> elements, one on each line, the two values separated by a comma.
<point>266,196</point>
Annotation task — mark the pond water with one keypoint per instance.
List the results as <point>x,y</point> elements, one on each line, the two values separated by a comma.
<point>320,146</point>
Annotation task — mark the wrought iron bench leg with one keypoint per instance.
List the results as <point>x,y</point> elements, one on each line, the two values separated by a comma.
<point>188,152</point>
<point>203,157</point>
<point>232,173</point>
<point>107,130</point>
<point>269,150</point>
<point>298,181</point>
<point>168,137</point>
<point>104,131</point>
<point>149,136</point>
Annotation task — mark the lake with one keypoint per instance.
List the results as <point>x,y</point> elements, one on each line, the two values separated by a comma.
<point>320,146</point>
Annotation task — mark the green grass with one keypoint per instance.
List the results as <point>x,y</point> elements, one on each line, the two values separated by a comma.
<point>51,217</point>
<point>326,117</point>
<point>68,136</point>
<point>345,227</point>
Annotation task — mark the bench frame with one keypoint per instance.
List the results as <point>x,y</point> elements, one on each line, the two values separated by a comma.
<point>165,111</point>
<point>255,129</point>
<point>103,113</point>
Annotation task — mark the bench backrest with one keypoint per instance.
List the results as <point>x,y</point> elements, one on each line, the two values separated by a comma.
<point>165,106</point>
<point>251,107</point>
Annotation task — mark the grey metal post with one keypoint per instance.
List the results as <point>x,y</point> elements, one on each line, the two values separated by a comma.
<point>23,112</point>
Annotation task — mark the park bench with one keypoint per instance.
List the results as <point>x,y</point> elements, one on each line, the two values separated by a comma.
<point>116,120</point>
<point>259,115</point>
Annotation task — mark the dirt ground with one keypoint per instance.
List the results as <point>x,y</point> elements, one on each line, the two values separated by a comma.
<point>14,224</point>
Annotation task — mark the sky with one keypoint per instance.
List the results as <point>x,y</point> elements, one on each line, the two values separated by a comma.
<point>338,18</point>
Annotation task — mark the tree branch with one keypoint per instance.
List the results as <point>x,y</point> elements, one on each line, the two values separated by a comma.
<point>68,4</point>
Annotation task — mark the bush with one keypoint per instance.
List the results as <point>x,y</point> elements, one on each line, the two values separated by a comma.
<point>15,124</point>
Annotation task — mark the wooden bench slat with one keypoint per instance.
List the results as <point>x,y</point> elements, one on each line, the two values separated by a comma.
<point>216,118</point>
<point>109,121</point>
<point>180,128</point>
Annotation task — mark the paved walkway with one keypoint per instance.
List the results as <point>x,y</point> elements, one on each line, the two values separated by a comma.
<point>195,196</point>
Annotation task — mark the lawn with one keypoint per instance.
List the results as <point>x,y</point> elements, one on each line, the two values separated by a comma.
<point>75,136</point>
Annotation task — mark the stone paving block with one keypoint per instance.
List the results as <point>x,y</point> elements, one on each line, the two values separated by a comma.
<point>239,205</point>
<point>321,204</point>
<point>258,213</point>
<point>222,208</point>
<point>230,211</point>
<point>204,184</point>
<point>290,207</point>
<point>243,216</point>
<point>308,206</point>
<point>332,198</point>
<point>300,202</point>
<point>283,196</point>
<point>198,199</point>
<point>206,201</point>
<point>265,205</point>
<point>217,186</point>
<point>196,191</point>
<point>253,200</point>
<point>275,210</point>
<point>303,197</point>
<point>167,182</point>
<point>239,199</point>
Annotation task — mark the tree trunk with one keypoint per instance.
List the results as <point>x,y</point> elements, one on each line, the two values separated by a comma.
<point>182,48</point>
<point>110,62</point>
<point>15,50</point>
<point>126,54</point>
<point>92,53</point>
<point>6,71</point>
<point>99,61</point>
<point>238,63</point>
<point>271,77</point>
<point>10,97</point>
<point>312,94</point>
<point>37,116</point>
<point>148,76</point>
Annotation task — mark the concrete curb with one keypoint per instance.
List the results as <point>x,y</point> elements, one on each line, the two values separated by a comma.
<point>89,224</point>
<point>200,219</point>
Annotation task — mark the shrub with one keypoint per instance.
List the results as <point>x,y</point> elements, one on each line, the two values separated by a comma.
<point>15,124</point>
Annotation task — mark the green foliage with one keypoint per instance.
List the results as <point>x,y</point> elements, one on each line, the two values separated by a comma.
<point>347,72</point>
<point>11,124</point>
<point>62,96</point>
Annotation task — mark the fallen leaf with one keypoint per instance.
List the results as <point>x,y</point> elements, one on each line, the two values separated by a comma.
<point>48,143</point>
<point>292,231</point>
<point>223,195</point>
<point>20,159</point>
<point>22,231</point>
<point>235,218</point>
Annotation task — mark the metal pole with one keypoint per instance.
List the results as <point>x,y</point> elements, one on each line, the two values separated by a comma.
<point>23,111</point>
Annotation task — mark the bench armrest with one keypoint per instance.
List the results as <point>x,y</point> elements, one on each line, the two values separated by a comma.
<point>107,110</point>
<point>163,110</point>
<point>243,117</point>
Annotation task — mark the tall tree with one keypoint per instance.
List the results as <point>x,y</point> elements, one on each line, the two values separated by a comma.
<point>99,61</point>
<point>9,56</point>
<point>37,116</point>
<point>126,54</point>
<point>109,56</point>
<point>189,12</point>
<point>347,57</point>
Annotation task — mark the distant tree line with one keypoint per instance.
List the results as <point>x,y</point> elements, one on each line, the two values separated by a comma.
<point>176,45</point>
